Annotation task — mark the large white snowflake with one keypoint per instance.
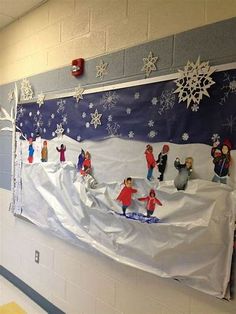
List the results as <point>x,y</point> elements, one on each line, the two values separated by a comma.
<point>109,99</point>
<point>101,69</point>
<point>78,93</point>
<point>40,99</point>
<point>194,81</point>
<point>26,90</point>
<point>112,128</point>
<point>96,118</point>
<point>230,123</point>
<point>59,131</point>
<point>149,64</point>
<point>166,101</point>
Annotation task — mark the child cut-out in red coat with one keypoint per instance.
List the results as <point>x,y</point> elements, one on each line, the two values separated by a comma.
<point>151,202</point>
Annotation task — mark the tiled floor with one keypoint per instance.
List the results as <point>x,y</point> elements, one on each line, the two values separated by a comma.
<point>9,293</point>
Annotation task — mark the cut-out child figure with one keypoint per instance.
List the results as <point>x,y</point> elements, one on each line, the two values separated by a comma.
<point>151,202</point>
<point>80,160</point>
<point>44,152</point>
<point>86,165</point>
<point>151,163</point>
<point>222,160</point>
<point>162,161</point>
<point>185,171</point>
<point>125,195</point>
<point>31,151</point>
<point>62,152</point>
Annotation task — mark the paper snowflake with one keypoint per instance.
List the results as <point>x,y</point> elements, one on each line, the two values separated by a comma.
<point>101,69</point>
<point>59,131</point>
<point>215,137</point>
<point>128,110</point>
<point>109,100</point>
<point>96,118</point>
<point>150,123</point>
<point>230,123</point>
<point>26,90</point>
<point>195,107</point>
<point>40,99</point>
<point>165,102</point>
<point>149,64</point>
<point>11,95</point>
<point>152,134</point>
<point>112,128</point>
<point>131,134</point>
<point>154,101</point>
<point>78,93</point>
<point>136,95</point>
<point>228,88</point>
<point>185,137</point>
<point>91,105</point>
<point>194,82</point>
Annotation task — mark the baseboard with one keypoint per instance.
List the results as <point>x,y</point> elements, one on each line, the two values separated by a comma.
<point>31,293</point>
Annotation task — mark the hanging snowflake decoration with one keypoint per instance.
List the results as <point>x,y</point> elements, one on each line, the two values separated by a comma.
<point>112,128</point>
<point>101,69</point>
<point>109,100</point>
<point>40,99</point>
<point>26,90</point>
<point>185,137</point>
<point>38,122</point>
<point>149,64</point>
<point>228,88</point>
<point>96,118</point>
<point>59,131</point>
<point>215,137</point>
<point>230,123</point>
<point>194,82</point>
<point>11,95</point>
<point>78,93</point>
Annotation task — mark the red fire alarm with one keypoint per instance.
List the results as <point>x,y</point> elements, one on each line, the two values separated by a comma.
<point>77,67</point>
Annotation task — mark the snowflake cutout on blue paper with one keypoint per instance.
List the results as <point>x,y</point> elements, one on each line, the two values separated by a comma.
<point>185,136</point>
<point>109,100</point>
<point>96,118</point>
<point>152,134</point>
<point>194,81</point>
<point>228,88</point>
<point>149,64</point>
<point>165,102</point>
<point>112,128</point>
<point>131,134</point>
<point>230,123</point>
<point>215,137</point>
<point>61,105</point>
<point>101,69</point>
<point>59,131</point>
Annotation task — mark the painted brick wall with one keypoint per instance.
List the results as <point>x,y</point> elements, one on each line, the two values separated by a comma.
<point>62,30</point>
<point>76,280</point>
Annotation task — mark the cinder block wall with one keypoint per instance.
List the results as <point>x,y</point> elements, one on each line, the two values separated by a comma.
<point>42,44</point>
<point>62,30</point>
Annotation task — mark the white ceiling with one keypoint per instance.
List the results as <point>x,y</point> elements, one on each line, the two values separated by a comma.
<point>11,10</point>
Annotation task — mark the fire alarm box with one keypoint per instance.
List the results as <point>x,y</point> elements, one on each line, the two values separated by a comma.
<point>77,67</point>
